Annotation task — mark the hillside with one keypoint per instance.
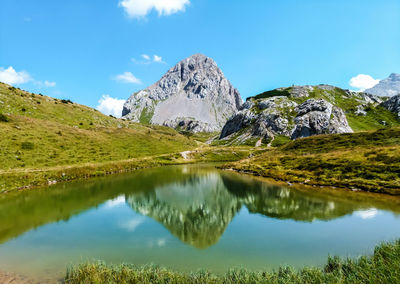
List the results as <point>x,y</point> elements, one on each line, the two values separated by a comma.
<point>368,161</point>
<point>41,132</point>
<point>301,111</point>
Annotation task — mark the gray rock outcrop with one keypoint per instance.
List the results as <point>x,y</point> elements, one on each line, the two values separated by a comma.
<point>388,87</point>
<point>393,105</point>
<point>294,112</point>
<point>194,95</point>
<point>319,117</point>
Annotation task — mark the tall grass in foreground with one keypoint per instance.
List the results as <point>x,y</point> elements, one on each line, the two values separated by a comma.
<point>382,267</point>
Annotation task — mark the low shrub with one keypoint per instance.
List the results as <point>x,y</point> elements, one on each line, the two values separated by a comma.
<point>27,145</point>
<point>4,118</point>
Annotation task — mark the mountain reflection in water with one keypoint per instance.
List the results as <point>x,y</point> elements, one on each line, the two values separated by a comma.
<point>196,204</point>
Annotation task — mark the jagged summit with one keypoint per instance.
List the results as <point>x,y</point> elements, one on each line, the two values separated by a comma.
<point>193,95</point>
<point>388,87</point>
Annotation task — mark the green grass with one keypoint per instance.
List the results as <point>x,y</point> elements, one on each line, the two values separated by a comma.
<point>28,142</point>
<point>272,93</point>
<point>146,115</point>
<point>367,161</point>
<point>280,140</point>
<point>39,132</point>
<point>381,267</point>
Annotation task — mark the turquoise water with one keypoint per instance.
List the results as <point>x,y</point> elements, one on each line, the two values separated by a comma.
<point>187,218</point>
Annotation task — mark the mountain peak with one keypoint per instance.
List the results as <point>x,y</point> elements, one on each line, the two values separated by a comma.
<point>193,95</point>
<point>387,87</point>
<point>395,76</point>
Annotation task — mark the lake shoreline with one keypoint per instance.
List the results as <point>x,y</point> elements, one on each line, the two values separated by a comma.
<point>379,267</point>
<point>311,184</point>
<point>29,179</point>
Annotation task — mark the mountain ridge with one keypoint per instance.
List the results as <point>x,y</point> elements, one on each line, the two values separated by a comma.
<point>302,111</point>
<point>387,87</point>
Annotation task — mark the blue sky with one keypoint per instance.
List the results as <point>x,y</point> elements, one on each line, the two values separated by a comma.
<point>82,50</point>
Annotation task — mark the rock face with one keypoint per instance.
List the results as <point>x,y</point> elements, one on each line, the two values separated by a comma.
<point>194,95</point>
<point>295,112</point>
<point>393,105</point>
<point>388,87</point>
<point>319,117</point>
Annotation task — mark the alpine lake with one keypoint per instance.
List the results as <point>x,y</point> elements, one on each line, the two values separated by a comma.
<point>188,218</point>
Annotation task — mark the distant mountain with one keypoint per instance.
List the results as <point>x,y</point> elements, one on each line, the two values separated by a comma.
<point>194,95</point>
<point>388,87</point>
<point>302,111</point>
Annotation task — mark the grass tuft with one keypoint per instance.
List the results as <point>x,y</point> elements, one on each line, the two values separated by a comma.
<point>381,267</point>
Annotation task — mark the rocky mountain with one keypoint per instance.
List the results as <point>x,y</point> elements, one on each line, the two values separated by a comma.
<point>393,105</point>
<point>301,111</point>
<point>194,95</point>
<point>388,87</point>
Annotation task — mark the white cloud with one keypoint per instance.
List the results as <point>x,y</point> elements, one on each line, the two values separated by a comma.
<point>49,84</point>
<point>140,8</point>
<point>132,224</point>
<point>363,82</point>
<point>157,243</point>
<point>109,105</point>
<point>11,77</point>
<point>146,57</point>
<point>128,77</point>
<point>158,59</point>
<point>367,214</point>
<point>116,202</point>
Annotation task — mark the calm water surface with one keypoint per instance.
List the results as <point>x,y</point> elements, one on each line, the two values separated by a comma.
<point>187,218</point>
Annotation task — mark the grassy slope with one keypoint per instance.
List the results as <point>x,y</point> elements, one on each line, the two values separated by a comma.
<point>367,160</point>
<point>42,132</point>
<point>381,267</point>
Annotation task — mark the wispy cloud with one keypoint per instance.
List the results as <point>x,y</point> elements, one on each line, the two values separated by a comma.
<point>127,77</point>
<point>132,224</point>
<point>110,106</point>
<point>157,243</point>
<point>49,84</point>
<point>362,82</point>
<point>12,77</point>
<point>147,59</point>
<point>158,59</point>
<point>120,200</point>
<point>367,214</point>
<point>140,8</point>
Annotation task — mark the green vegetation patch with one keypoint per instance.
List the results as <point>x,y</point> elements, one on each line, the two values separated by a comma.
<point>4,118</point>
<point>366,161</point>
<point>273,93</point>
<point>146,115</point>
<point>327,143</point>
<point>381,267</point>
<point>280,140</point>
<point>377,117</point>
